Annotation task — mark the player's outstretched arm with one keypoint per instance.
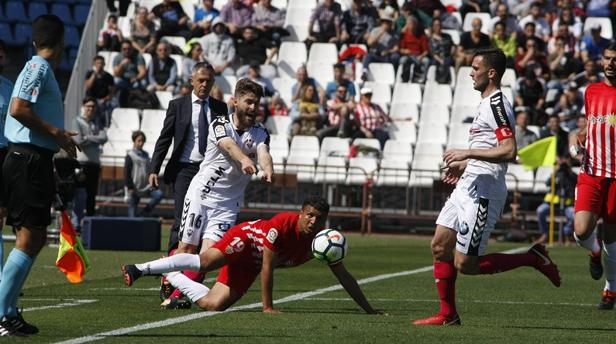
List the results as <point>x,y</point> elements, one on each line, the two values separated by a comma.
<point>349,284</point>
<point>506,151</point>
<point>228,145</point>
<point>266,162</point>
<point>267,280</point>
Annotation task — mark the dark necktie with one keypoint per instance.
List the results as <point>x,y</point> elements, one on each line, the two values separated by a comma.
<point>203,127</point>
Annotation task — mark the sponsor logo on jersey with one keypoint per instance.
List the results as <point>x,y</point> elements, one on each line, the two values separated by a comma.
<point>218,172</point>
<point>609,119</point>
<point>464,228</point>
<point>272,235</point>
<point>219,131</point>
<point>249,143</point>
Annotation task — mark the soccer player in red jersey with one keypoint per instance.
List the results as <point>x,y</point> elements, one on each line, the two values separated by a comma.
<point>595,195</point>
<point>245,251</point>
<point>463,227</point>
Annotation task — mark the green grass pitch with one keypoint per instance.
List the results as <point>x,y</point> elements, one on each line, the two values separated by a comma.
<point>520,306</point>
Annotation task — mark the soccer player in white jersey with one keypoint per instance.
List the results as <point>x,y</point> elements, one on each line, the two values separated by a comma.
<point>216,191</point>
<point>469,215</point>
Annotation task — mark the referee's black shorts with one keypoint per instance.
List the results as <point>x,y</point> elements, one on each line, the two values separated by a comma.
<point>29,186</point>
<point>3,152</point>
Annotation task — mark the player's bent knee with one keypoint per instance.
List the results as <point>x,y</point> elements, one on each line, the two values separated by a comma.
<point>211,305</point>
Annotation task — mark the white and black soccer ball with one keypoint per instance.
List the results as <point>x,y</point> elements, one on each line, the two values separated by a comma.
<point>329,246</point>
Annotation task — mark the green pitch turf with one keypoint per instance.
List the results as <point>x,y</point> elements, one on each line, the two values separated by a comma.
<point>520,306</point>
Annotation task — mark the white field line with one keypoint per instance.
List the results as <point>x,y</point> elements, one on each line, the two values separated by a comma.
<point>502,302</point>
<point>207,280</point>
<point>291,298</point>
<point>60,305</point>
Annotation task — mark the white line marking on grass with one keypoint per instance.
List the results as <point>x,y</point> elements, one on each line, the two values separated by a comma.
<point>207,280</point>
<point>458,301</point>
<point>60,305</point>
<point>295,297</point>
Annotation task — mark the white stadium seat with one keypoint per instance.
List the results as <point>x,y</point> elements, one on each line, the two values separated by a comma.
<point>432,133</point>
<point>305,145</point>
<point>437,94</point>
<point>382,73</point>
<point>424,170</point>
<point>485,21</point>
<point>323,52</point>
<point>606,26</point>
<point>279,149</point>
<point>361,169</point>
<point>164,98</point>
<point>393,172</point>
<point>125,119</point>
<point>381,92</point>
<point>519,179</point>
<point>152,121</point>
<point>226,83</point>
<point>331,169</point>
<point>284,86</point>
<point>407,93</point>
<point>543,175</point>
<point>334,146</point>
<point>509,78</point>
<point>178,62</point>
<point>431,76</point>
<point>458,135</point>
<point>434,113</point>
<point>372,143</point>
<point>291,56</point>
<point>279,125</point>
<point>403,131</point>
<point>302,166</point>
<point>429,148</point>
<point>404,112</point>
<point>398,150</point>
<point>321,72</point>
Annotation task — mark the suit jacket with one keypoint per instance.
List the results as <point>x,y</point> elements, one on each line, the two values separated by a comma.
<point>175,128</point>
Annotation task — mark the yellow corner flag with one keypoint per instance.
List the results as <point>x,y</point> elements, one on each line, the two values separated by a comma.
<point>539,153</point>
<point>72,259</point>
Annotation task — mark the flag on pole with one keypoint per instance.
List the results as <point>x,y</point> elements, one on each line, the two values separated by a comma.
<point>72,259</point>
<point>539,153</point>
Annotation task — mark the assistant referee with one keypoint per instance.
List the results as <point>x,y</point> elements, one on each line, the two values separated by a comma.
<point>34,129</point>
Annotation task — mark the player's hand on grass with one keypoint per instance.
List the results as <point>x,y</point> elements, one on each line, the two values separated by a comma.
<point>454,155</point>
<point>270,310</point>
<point>65,140</point>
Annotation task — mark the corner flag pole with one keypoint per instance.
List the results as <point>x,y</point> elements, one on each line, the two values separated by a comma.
<point>553,192</point>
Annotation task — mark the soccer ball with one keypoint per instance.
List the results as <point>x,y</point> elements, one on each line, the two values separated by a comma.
<point>329,246</point>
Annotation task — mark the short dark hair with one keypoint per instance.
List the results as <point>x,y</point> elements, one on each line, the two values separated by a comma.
<point>202,65</point>
<point>494,58</point>
<point>529,24</point>
<point>500,23</point>
<point>136,134</point>
<point>317,203</point>
<point>47,31</point>
<point>245,86</point>
<point>112,16</point>
<point>340,66</point>
<point>98,57</point>
<point>88,99</point>
<point>611,46</point>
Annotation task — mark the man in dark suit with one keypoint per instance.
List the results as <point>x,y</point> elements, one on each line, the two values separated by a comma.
<point>186,123</point>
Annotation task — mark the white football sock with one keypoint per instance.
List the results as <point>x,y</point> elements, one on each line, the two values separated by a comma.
<point>609,264</point>
<point>177,262</point>
<point>589,243</point>
<point>193,290</point>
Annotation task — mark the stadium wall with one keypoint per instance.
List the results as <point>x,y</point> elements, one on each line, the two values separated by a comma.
<point>87,50</point>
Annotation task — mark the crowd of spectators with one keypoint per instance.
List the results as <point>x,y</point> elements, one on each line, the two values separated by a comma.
<point>544,40</point>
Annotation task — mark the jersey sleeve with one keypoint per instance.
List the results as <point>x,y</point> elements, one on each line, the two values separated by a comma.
<point>34,78</point>
<point>498,117</point>
<point>219,129</point>
<point>264,137</point>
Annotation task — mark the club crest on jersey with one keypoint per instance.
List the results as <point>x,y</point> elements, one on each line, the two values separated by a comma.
<point>272,235</point>
<point>249,143</point>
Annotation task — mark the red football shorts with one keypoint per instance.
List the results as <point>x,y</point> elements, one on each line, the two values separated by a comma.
<point>242,267</point>
<point>597,195</point>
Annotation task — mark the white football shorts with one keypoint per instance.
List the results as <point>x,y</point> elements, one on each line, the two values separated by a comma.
<point>471,215</point>
<point>200,222</point>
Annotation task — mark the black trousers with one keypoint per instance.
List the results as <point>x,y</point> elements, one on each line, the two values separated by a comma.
<point>180,186</point>
<point>123,6</point>
<point>92,173</point>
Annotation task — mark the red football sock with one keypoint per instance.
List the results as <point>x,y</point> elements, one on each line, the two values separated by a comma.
<point>445,274</point>
<point>193,275</point>
<point>501,262</point>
